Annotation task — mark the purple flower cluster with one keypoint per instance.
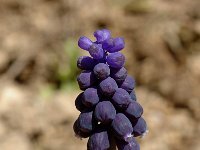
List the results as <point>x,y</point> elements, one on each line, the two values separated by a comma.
<point>108,105</point>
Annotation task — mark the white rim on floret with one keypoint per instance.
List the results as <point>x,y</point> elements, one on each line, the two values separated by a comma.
<point>144,134</point>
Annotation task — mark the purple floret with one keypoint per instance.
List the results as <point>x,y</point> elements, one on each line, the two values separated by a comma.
<point>86,63</point>
<point>131,145</point>
<point>139,127</point>
<point>84,42</point>
<point>121,99</point>
<point>96,51</point>
<point>90,97</point>
<point>118,74</point>
<point>108,86</point>
<point>102,35</point>
<point>128,84</point>
<point>116,60</point>
<point>134,110</point>
<point>78,103</point>
<point>105,112</point>
<point>78,132</point>
<point>99,140</point>
<point>114,44</point>
<point>133,95</point>
<point>108,44</point>
<point>86,79</point>
<point>122,127</point>
<point>86,122</point>
<point>101,71</point>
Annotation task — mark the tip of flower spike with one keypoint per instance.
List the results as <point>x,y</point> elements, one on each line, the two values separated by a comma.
<point>84,42</point>
<point>102,35</point>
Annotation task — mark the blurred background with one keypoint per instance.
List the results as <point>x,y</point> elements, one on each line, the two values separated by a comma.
<point>38,52</point>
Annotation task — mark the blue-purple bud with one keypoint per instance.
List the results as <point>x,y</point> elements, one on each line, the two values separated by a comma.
<point>131,145</point>
<point>116,60</point>
<point>84,42</point>
<point>99,140</point>
<point>122,127</point>
<point>96,51</point>
<point>128,84</point>
<point>114,45</point>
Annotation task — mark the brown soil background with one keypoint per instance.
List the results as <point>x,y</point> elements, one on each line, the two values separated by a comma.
<point>163,54</point>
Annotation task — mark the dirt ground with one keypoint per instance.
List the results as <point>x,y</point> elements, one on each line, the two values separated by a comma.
<point>38,43</point>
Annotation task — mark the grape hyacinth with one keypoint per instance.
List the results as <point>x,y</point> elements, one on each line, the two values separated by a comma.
<point>110,114</point>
